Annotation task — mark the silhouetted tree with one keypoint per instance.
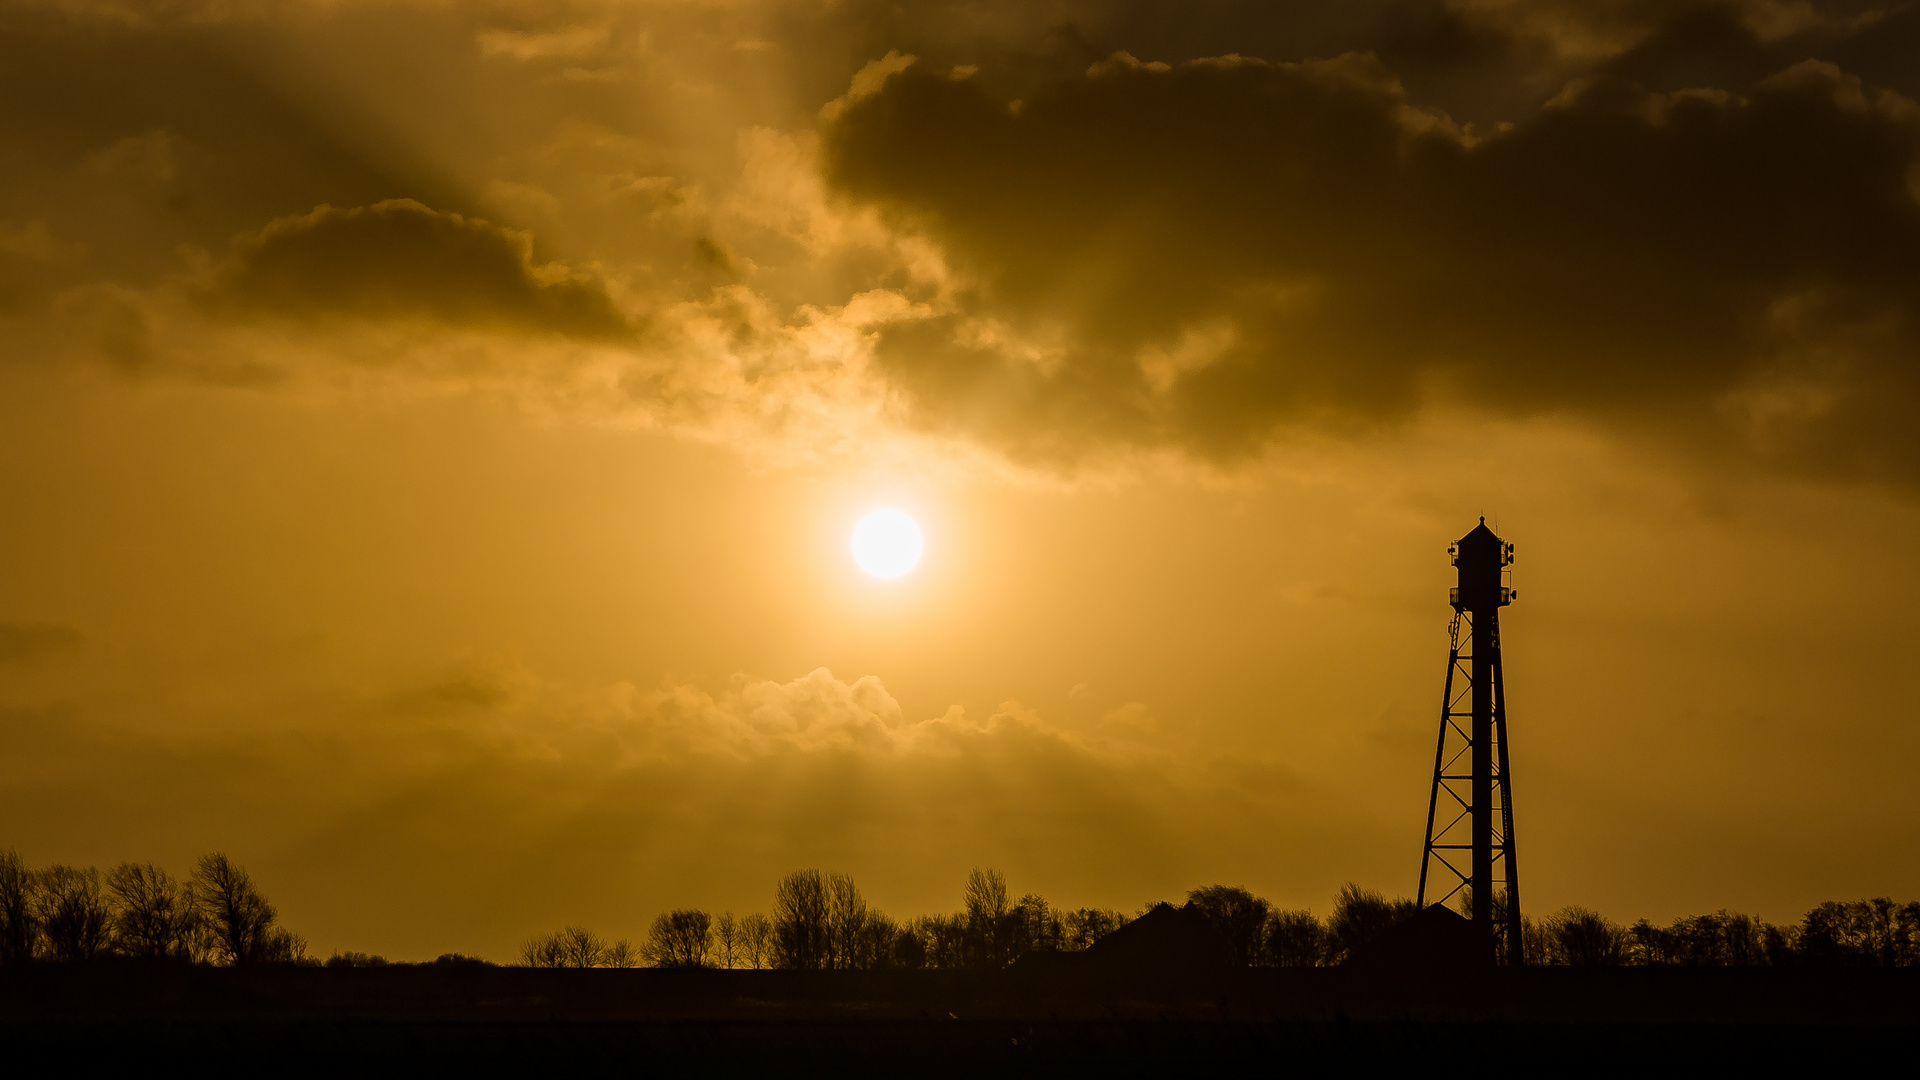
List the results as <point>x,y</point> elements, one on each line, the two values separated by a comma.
<point>909,950</point>
<point>621,954</point>
<point>757,940</point>
<point>19,931</point>
<point>726,939</point>
<point>1908,920</point>
<point>1034,927</point>
<point>1360,915</point>
<point>1536,942</point>
<point>1718,939</point>
<point>1742,941</point>
<point>153,917</point>
<point>943,940</point>
<point>1877,931</point>
<point>1295,939</point>
<point>680,939</point>
<point>544,951</point>
<point>1585,938</point>
<point>581,948</point>
<point>283,946</point>
<point>872,947</point>
<point>1778,943</point>
<point>987,907</point>
<point>1238,916</point>
<point>573,947</point>
<point>237,920</point>
<point>354,960</point>
<point>1699,940</point>
<point>846,918</point>
<point>800,921</point>
<point>73,916</point>
<point>1651,945</point>
<point>1084,926</point>
<point>454,959</point>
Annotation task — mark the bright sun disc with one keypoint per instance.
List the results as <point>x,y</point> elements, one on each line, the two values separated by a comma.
<point>886,543</point>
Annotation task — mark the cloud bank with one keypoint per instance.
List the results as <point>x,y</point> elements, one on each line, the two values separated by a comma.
<point>1206,253</point>
<point>1055,238</point>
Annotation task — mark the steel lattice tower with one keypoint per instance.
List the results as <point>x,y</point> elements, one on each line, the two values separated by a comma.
<point>1478,827</point>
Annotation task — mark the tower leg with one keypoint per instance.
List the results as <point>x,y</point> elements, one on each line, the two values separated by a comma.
<point>1439,762</point>
<point>1485,641</point>
<point>1516,946</point>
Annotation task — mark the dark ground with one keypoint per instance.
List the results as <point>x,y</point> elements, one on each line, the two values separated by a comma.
<point>1057,1021</point>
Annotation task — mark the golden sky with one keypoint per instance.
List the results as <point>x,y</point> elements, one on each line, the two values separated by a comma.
<point>430,435</point>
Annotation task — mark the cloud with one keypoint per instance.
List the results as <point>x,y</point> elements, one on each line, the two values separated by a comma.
<point>1201,254</point>
<point>398,259</point>
<point>1061,235</point>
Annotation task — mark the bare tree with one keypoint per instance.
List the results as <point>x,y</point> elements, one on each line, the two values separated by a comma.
<point>872,945</point>
<point>987,908</point>
<point>1585,938</point>
<point>152,916</point>
<point>1034,926</point>
<point>726,939</point>
<point>1651,945</point>
<point>756,940</point>
<point>622,954</point>
<point>681,938</point>
<point>944,940</point>
<point>544,951</point>
<point>1360,915</point>
<point>846,917</point>
<point>1238,916</point>
<point>800,921</point>
<point>283,946</point>
<point>1536,941</point>
<point>1877,931</point>
<point>1084,926</point>
<point>1296,939</point>
<point>234,915</point>
<point>72,914</point>
<point>909,948</point>
<point>352,959</point>
<point>19,930</point>
<point>581,948</point>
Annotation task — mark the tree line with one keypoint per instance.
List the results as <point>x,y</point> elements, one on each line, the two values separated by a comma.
<point>66,913</point>
<point>1875,932</point>
<point>820,921</point>
<point>1870,933</point>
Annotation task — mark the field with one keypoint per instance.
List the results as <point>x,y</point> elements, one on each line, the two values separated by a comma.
<point>1045,1022</point>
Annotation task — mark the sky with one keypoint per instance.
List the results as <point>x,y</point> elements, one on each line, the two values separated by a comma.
<point>431,434</point>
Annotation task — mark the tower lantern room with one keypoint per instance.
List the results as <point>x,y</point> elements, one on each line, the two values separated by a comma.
<point>1482,560</point>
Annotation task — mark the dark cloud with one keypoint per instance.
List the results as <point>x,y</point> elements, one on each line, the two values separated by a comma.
<point>1197,254</point>
<point>398,258</point>
<point>137,135</point>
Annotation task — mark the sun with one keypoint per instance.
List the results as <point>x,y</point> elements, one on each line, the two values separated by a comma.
<point>887,543</point>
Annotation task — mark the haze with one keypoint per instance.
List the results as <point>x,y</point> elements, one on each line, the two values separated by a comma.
<point>430,435</point>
